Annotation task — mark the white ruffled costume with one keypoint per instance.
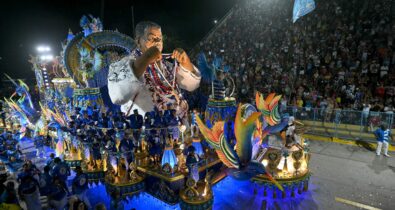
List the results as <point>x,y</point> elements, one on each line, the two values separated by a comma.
<point>127,90</point>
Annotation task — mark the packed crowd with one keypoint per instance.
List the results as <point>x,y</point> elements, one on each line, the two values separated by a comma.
<point>341,55</point>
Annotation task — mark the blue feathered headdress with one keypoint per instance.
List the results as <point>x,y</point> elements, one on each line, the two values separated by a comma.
<point>84,22</point>
<point>207,72</point>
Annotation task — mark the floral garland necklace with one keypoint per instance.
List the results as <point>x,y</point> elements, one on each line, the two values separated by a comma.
<point>156,79</point>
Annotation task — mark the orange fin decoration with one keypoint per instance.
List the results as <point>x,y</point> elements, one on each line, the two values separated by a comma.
<point>223,159</point>
<point>260,103</point>
<point>274,102</point>
<point>270,97</point>
<point>216,138</point>
<point>269,107</point>
<point>212,136</point>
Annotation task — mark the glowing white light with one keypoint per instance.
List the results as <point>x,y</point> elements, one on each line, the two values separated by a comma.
<point>281,163</point>
<point>265,162</point>
<point>43,49</point>
<point>46,57</point>
<point>215,21</point>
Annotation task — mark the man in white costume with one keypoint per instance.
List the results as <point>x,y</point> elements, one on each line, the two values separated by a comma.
<point>144,79</point>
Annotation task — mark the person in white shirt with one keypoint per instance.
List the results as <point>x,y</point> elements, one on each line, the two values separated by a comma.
<point>365,113</point>
<point>145,79</point>
<point>290,132</point>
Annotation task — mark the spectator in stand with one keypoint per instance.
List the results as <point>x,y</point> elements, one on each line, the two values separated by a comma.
<point>365,113</point>
<point>341,56</point>
<point>329,109</point>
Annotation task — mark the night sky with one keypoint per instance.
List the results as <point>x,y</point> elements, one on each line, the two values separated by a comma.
<point>27,24</point>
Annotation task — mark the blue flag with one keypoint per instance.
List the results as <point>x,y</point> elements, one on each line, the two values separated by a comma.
<point>302,8</point>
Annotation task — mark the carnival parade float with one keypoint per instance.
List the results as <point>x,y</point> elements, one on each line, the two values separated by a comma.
<point>242,141</point>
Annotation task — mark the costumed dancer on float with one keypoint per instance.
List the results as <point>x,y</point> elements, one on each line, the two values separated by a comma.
<point>192,163</point>
<point>39,143</point>
<point>87,146</point>
<point>59,143</point>
<point>160,125</point>
<point>155,149</point>
<point>111,148</point>
<point>153,139</point>
<point>126,148</point>
<point>194,125</point>
<point>148,126</point>
<point>136,80</point>
<point>96,153</point>
<point>136,123</point>
<point>119,126</point>
<point>290,133</point>
<point>173,124</point>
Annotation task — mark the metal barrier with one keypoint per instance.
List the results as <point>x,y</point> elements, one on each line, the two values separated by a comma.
<point>346,124</point>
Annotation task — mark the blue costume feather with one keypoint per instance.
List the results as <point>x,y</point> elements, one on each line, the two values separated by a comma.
<point>70,35</point>
<point>84,21</point>
<point>217,62</point>
<point>207,73</point>
<point>97,61</point>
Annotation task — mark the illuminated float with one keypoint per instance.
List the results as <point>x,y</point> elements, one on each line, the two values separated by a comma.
<point>256,144</point>
<point>269,149</point>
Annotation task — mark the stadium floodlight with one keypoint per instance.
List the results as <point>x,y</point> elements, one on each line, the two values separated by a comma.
<point>42,49</point>
<point>46,57</point>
